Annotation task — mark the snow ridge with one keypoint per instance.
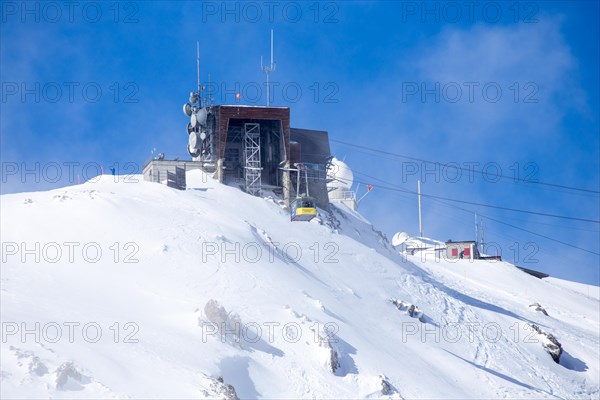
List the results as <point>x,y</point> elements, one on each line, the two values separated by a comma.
<point>121,288</point>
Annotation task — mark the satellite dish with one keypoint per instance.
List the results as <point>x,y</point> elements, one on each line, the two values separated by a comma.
<point>193,152</point>
<point>201,116</point>
<point>190,128</point>
<point>194,141</point>
<point>399,238</point>
<point>202,135</point>
<point>193,98</point>
<point>187,109</point>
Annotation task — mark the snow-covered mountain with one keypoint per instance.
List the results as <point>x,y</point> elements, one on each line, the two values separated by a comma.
<point>120,288</point>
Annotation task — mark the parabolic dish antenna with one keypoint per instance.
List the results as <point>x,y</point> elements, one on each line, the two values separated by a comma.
<point>199,117</point>
<point>399,238</point>
<point>194,141</point>
<point>187,109</point>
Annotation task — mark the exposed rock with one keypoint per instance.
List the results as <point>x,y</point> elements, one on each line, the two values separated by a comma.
<point>220,389</point>
<point>67,372</point>
<point>37,367</point>
<point>333,360</point>
<point>386,388</point>
<point>331,221</point>
<point>227,390</point>
<point>549,343</point>
<point>538,307</point>
<point>382,237</point>
<point>411,310</point>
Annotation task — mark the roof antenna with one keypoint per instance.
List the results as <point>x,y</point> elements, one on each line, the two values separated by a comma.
<point>267,69</point>
<point>198,64</point>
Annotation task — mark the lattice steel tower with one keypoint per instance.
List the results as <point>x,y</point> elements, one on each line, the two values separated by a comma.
<point>252,169</point>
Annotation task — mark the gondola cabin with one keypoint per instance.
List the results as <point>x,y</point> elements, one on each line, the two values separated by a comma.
<point>303,209</point>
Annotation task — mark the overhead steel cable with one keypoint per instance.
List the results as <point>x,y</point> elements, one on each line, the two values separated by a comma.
<point>399,189</point>
<point>458,167</point>
<point>521,229</point>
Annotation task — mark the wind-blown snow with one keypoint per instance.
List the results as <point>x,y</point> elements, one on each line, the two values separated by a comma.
<point>326,323</point>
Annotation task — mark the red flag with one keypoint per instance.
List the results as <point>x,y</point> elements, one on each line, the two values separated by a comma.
<point>369,187</point>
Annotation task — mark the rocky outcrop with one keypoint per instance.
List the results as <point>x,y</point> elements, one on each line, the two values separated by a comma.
<point>549,343</point>
<point>539,308</point>
<point>411,310</point>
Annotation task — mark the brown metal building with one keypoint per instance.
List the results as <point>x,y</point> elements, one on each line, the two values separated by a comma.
<point>253,147</point>
<point>276,158</point>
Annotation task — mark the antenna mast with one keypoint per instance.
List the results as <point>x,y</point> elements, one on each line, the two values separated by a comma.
<point>198,65</point>
<point>482,242</point>
<point>209,98</point>
<point>420,220</point>
<point>476,232</point>
<point>267,69</point>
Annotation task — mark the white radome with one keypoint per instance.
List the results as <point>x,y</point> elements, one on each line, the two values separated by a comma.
<point>340,174</point>
<point>399,238</point>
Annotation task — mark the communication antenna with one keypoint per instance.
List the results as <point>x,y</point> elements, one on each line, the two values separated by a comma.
<point>267,69</point>
<point>209,98</point>
<point>198,65</point>
<point>420,219</point>
<point>482,241</point>
<point>477,232</point>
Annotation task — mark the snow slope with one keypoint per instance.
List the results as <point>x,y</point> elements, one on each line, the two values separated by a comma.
<point>132,277</point>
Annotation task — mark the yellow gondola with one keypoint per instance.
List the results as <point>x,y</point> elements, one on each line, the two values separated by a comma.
<point>303,209</point>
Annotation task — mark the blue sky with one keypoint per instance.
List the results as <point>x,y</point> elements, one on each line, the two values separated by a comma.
<point>500,86</point>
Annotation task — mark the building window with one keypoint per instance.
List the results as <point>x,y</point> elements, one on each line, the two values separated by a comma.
<point>467,252</point>
<point>454,252</point>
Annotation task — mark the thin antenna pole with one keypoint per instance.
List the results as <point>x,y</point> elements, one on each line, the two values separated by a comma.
<point>420,219</point>
<point>267,70</point>
<point>198,65</point>
<point>271,47</point>
<point>482,242</point>
<point>268,91</point>
<point>476,231</point>
<point>209,97</point>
